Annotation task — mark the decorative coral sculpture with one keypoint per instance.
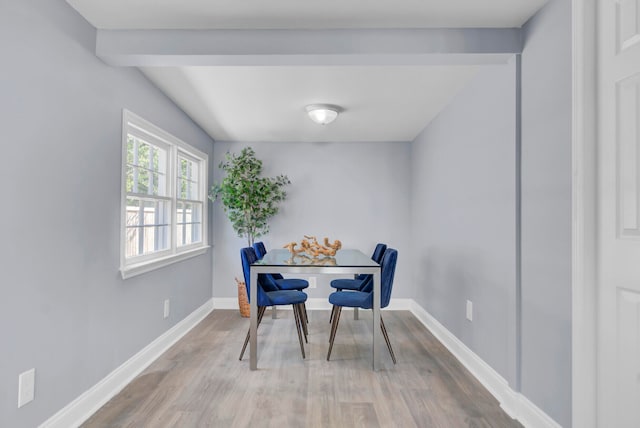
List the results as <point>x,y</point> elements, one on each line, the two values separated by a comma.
<point>313,248</point>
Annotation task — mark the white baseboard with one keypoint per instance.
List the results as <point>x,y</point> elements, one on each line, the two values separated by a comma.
<point>513,403</point>
<point>80,409</point>
<point>400,305</point>
<point>313,303</point>
<point>225,303</point>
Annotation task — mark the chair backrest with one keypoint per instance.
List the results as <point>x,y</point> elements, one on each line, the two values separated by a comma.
<point>248,257</point>
<point>268,280</point>
<point>378,253</point>
<point>260,249</point>
<point>388,272</point>
<point>367,280</point>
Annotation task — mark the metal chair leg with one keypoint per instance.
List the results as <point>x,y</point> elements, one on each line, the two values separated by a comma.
<point>261,310</point>
<point>306,318</point>
<point>386,338</point>
<point>332,317</point>
<point>334,329</point>
<point>303,322</point>
<point>297,321</point>
<point>333,310</point>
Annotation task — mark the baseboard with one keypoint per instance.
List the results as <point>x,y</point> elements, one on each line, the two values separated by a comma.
<point>313,304</point>
<point>225,303</point>
<point>400,305</point>
<point>80,409</point>
<point>513,403</point>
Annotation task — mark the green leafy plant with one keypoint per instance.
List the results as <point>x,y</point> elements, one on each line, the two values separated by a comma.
<point>248,199</point>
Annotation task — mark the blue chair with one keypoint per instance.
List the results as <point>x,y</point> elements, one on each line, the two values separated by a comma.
<point>278,281</point>
<point>361,282</point>
<point>271,296</point>
<point>275,278</point>
<point>364,300</point>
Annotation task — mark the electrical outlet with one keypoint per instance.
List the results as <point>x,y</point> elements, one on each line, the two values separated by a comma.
<point>312,282</point>
<point>166,308</point>
<point>469,310</point>
<point>26,387</point>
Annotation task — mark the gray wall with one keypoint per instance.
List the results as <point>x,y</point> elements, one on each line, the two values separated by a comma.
<point>64,308</point>
<point>546,211</point>
<point>463,215</point>
<point>355,192</point>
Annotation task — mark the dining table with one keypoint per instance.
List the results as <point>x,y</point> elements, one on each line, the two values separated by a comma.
<point>344,262</point>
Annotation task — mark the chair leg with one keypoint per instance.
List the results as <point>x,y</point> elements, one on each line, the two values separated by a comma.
<point>333,310</point>
<point>303,322</point>
<point>334,329</point>
<point>332,317</point>
<point>306,318</point>
<point>261,310</point>
<point>297,321</point>
<point>386,338</point>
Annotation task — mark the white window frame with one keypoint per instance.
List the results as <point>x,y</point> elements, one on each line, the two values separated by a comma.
<point>136,265</point>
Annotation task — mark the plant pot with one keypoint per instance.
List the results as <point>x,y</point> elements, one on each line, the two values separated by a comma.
<point>243,301</point>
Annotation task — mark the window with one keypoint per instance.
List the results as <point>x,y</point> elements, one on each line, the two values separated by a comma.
<point>163,198</point>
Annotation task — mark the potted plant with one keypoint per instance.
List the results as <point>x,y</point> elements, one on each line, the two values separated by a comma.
<point>249,199</point>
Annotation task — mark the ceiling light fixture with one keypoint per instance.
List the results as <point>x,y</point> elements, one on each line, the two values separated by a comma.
<point>323,114</point>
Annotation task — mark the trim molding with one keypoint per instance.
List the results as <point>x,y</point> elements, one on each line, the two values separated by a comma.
<point>225,303</point>
<point>513,403</point>
<point>80,409</point>
<point>313,304</point>
<point>584,184</point>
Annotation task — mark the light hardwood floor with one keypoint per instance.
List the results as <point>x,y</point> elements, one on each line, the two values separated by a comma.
<point>199,382</point>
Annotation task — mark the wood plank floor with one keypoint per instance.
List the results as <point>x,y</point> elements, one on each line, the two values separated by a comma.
<point>199,382</point>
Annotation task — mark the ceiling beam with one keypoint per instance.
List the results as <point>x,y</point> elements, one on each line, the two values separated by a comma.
<point>434,46</point>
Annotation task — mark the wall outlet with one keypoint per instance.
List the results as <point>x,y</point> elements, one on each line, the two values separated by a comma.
<point>469,310</point>
<point>312,282</point>
<point>166,308</point>
<point>26,387</point>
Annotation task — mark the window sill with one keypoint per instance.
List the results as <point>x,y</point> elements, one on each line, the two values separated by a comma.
<point>148,266</point>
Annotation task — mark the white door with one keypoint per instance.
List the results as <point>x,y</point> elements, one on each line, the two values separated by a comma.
<point>618,70</point>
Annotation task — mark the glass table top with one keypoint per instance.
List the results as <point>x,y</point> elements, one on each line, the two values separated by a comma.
<point>343,258</point>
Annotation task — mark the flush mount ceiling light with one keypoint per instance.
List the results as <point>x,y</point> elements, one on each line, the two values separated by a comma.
<point>323,113</point>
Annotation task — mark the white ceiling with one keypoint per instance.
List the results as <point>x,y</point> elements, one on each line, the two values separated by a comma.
<point>267,103</point>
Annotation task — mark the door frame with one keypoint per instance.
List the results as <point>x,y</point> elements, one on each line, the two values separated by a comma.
<point>584,215</point>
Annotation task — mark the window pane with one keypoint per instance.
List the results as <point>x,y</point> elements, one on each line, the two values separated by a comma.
<point>130,149</point>
<point>130,179</point>
<point>146,168</point>
<point>189,223</point>
<point>188,175</point>
<point>147,226</point>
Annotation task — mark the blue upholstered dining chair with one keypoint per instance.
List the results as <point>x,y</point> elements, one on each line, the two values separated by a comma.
<point>363,282</point>
<point>364,300</point>
<point>276,279</point>
<point>281,283</point>
<point>272,296</point>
